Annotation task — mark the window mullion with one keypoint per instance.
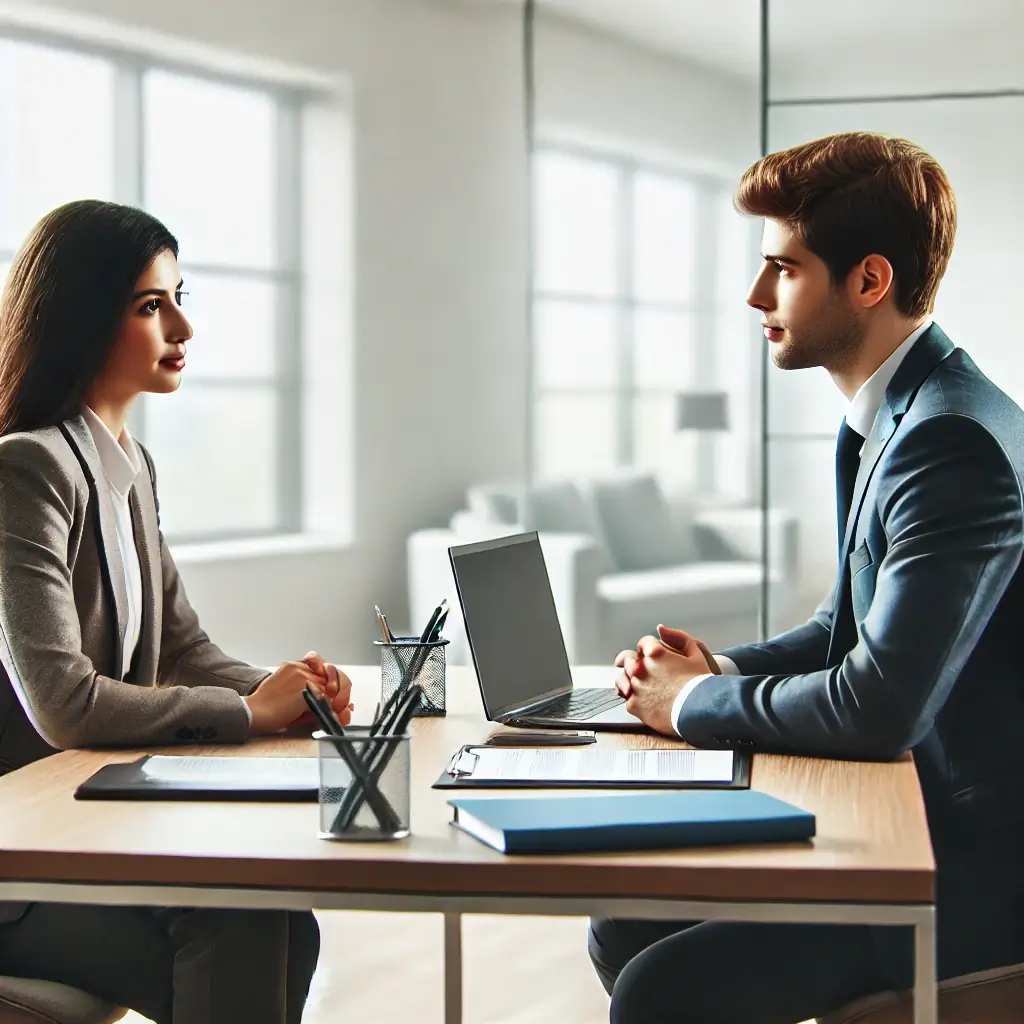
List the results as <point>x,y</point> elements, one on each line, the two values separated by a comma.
<point>625,413</point>
<point>705,287</point>
<point>129,184</point>
<point>288,328</point>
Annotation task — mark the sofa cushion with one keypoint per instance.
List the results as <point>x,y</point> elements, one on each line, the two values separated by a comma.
<point>718,588</point>
<point>495,503</point>
<point>469,528</point>
<point>637,525</point>
<point>559,507</point>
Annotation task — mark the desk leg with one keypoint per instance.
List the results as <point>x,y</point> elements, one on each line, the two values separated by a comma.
<point>926,998</point>
<point>453,969</point>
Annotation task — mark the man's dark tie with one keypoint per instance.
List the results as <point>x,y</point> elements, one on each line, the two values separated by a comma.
<point>848,448</point>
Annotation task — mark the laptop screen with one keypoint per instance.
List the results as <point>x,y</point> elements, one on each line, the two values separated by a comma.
<point>511,622</point>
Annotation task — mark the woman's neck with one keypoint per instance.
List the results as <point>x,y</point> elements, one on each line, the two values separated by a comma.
<point>113,414</point>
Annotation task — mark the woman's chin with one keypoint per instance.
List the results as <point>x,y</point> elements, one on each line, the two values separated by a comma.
<point>164,382</point>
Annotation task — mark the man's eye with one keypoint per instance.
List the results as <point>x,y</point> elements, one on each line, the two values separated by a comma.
<point>177,296</point>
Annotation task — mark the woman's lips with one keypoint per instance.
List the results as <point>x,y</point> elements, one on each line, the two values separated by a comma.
<point>177,363</point>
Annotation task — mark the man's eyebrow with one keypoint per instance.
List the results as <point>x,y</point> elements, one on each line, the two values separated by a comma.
<point>788,260</point>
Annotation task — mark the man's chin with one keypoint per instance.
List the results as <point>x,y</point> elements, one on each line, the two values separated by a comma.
<point>786,356</point>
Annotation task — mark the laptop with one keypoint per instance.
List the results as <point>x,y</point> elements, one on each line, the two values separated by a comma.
<point>516,641</point>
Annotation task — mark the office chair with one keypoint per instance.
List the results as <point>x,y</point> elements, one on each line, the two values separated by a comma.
<point>988,997</point>
<point>30,1001</point>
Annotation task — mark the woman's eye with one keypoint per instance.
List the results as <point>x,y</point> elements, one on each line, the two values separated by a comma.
<point>150,307</point>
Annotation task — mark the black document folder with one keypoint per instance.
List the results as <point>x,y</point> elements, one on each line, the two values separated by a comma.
<point>266,779</point>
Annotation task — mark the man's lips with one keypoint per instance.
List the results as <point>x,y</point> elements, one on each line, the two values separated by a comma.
<point>771,332</point>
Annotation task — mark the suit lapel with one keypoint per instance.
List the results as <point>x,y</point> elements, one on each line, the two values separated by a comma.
<point>930,349</point>
<point>147,544</point>
<point>80,438</point>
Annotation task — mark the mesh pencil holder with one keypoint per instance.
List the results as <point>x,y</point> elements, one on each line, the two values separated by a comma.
<point>407,661</point>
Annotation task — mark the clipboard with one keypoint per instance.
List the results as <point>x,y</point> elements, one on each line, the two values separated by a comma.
<point>458,774</point>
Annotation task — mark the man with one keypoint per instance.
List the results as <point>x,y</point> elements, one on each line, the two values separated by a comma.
<point>917,648</point>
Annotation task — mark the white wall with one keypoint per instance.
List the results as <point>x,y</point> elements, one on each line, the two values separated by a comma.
<point>612,92</point>
<point>981,148</point>
<point>440,371</point>
<point>439,258</point>
<point>607,92</point>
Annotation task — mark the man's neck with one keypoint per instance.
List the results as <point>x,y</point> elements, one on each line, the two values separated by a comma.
<point>878,345</point>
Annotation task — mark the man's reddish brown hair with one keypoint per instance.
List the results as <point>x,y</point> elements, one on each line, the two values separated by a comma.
<point>851,195</point>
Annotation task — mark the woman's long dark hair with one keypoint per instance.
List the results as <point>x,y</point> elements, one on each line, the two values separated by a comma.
<point>65,296</point>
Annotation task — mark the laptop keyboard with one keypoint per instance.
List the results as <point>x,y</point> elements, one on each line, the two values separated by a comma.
<point>582,704</point>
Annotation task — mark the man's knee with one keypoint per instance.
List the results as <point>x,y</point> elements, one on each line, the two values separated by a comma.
<point>602,944</point>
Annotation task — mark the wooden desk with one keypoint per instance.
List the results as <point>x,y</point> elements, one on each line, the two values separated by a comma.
<point>871,861</point>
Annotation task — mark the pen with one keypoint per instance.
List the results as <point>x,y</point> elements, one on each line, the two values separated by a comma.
<point>379,804</point>
<point>428,631</point>
<point>379,757</point>
<point>429,634</point>
<point>383,622</point>
<point>439,626</point>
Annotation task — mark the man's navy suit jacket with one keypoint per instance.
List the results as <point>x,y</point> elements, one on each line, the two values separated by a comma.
<point>919,646</point>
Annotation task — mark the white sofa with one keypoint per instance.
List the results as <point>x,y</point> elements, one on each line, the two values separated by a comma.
<point>621,558</point>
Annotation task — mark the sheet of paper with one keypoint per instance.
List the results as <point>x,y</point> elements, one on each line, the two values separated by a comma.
<point>252,771</point>
<point>594,764</point>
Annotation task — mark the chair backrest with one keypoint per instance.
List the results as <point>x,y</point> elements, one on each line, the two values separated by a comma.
<point>987,997</point>
<point>31,1001</point>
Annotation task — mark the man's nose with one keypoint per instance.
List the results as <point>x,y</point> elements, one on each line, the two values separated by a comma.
<point>760,294</point>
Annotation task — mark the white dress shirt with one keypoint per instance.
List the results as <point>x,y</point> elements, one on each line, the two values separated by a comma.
<point>861,417</point>
<point>121,464</point>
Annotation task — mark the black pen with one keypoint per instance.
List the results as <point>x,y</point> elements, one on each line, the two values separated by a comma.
<point>419,656</point>
<point>379,804</point>
<point>438,611</point>
<point>439,626</point>
<point>380,757</point>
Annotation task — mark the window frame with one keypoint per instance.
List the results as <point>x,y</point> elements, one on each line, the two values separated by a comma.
<point>703,311</point>
<point>130,67</point>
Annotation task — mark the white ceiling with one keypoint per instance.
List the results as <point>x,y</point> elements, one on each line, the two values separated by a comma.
<point>724,33</point>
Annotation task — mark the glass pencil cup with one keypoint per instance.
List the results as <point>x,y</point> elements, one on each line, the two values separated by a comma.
<point>364,789</point>
<point>407,661</point>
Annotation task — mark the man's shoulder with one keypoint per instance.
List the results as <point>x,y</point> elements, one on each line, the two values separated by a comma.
<point>958,388</point>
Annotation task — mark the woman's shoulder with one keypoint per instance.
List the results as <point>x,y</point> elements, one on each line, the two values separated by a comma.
<point>44,452</point>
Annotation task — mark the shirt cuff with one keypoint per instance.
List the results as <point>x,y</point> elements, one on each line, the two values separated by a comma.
<point>727,665</point>
<point>677,704</point>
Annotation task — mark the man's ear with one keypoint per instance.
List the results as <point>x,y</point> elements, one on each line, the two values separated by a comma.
<point>870,281</point>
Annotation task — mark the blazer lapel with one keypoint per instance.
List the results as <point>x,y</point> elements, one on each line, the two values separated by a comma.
<point>80,438</point>
<point>147,544</point>
<point>930,349</point>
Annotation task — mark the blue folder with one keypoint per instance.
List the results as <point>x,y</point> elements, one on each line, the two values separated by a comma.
<point>633,822</point>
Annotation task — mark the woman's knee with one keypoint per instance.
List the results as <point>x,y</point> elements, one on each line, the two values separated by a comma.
<point>303,940</point>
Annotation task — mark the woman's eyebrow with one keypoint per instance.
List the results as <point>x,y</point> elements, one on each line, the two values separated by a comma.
<point>155,291</point>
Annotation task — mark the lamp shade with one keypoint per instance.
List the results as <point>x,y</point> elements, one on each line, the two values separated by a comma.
<point>702,410</point>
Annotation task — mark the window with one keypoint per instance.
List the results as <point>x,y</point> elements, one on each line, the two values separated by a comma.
<point>218,161</point>
<point>627,295</point>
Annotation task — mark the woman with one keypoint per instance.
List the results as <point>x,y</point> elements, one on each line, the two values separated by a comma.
<point>100,645</point>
